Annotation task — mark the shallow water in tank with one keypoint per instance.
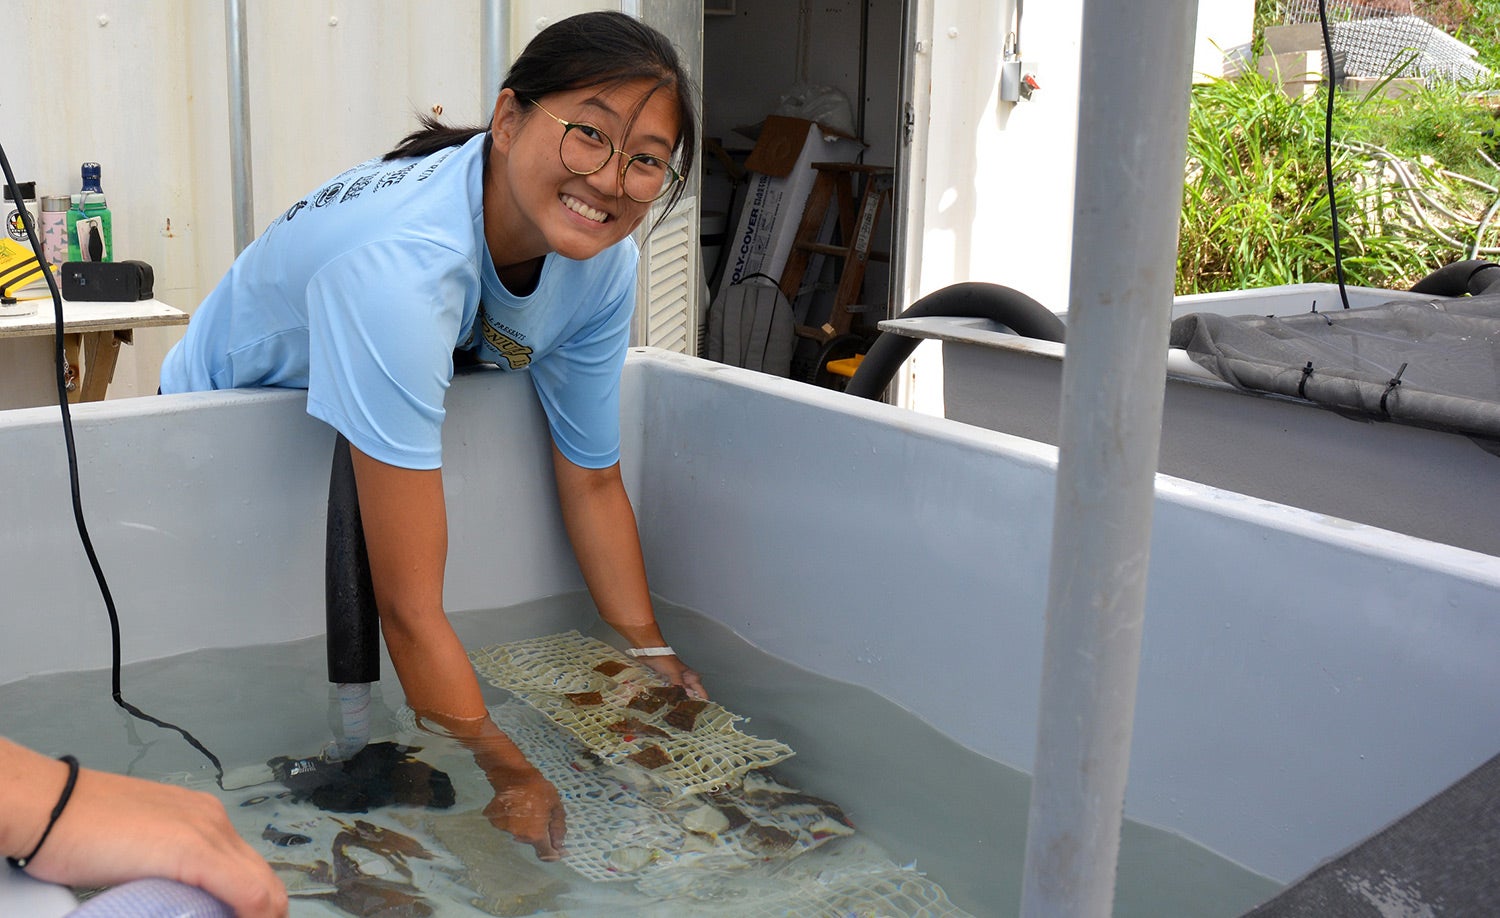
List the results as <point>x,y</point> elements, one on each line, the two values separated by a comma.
<point>939,829</point>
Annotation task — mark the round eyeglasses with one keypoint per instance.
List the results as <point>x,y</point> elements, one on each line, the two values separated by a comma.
<point>585,150</point>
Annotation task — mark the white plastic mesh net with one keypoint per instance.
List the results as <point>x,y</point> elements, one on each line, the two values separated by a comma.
<point>757,850</point>
<point>636,845</point>
<point>623,711</point>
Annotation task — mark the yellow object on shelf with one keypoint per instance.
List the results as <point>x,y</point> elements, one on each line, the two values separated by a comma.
<point>19,268</point>
<point>846,367</point>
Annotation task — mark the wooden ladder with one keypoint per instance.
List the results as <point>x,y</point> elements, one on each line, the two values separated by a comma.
<point>835,184</point>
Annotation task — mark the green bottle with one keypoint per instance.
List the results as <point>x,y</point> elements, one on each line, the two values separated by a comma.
<point>90,225</point>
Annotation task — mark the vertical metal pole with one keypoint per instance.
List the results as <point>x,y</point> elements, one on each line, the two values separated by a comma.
<point>1132,129</point>
<point>239,125</point>
<point>494,51</point>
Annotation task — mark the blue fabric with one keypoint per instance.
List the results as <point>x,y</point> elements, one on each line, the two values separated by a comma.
<point>361,291</point>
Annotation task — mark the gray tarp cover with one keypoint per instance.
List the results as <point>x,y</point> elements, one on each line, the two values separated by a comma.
<point>1446,354</point>
<point>1440,859</point>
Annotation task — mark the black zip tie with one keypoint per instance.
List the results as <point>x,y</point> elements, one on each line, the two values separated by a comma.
<point>1389,388</point>
<point>67,793</point>
<point>1302,384</point>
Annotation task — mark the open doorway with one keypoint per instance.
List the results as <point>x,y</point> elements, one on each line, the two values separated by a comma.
<point>839,62</point>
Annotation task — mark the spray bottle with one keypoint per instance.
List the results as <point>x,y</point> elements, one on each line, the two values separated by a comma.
<point>90,224</point>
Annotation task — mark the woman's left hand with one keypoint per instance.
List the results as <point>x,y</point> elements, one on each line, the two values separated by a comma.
<point>672,669</point>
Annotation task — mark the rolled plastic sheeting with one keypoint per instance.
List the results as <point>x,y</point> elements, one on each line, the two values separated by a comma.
<point>1011,308</point>
<point>153,898</point>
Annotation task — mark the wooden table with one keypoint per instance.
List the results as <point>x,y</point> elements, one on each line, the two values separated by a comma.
<point>96,330</point>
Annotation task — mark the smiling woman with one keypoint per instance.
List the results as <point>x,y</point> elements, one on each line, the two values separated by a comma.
<point>544,163</point>
<point>508,244</point>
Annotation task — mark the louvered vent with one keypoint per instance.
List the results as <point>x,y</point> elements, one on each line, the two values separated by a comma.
<point>666,308</point>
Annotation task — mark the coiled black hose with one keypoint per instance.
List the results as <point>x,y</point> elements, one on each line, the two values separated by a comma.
<point>1472,277</point>
<point>1011,308</point>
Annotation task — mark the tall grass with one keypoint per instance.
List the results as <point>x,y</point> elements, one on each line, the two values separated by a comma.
<point>1255,205</point>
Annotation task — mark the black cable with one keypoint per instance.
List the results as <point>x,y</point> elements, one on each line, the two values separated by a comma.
<point>83,531</point>
<point>1333,207</point>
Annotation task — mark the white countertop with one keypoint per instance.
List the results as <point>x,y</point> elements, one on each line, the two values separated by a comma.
<point>87,316</point>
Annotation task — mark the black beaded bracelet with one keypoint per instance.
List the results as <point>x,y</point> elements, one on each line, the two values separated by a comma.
<point>67,792</point>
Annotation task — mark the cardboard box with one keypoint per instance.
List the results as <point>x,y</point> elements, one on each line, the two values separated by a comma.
<point>1285,39</point>
<point>1394,89</point>
<point>1292,67</point>
<point>780,179</point>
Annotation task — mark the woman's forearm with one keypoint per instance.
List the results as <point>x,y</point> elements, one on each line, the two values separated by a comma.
<point>601,526</point>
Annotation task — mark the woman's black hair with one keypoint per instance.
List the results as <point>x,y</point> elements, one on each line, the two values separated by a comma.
<point>590,49</point>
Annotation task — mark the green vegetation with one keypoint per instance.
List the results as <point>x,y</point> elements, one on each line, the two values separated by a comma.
<point>1415,177</point>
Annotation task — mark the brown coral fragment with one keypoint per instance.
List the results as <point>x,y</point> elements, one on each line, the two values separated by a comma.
<point>734,814</point>
<point>685,715</point>
<point>611,668</point>
<point>585,699</point>
<point>650,757</point>
<point>657,697</point>
<point>646,703</point>
<point>631,725</point>
<point>768,839</point>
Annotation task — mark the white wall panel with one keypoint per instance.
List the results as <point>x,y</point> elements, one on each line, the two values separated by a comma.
<point>141,87</point>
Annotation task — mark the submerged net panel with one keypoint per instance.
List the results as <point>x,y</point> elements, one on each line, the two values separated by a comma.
<point>621,827</point>
<point>853,881</point>
<point>1434,364</point>
<point>761,849</point>
<point>624,712</point>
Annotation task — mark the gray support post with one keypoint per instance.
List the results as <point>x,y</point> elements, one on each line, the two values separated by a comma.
<point>239,125</point>
<point>1132,129</point>
<point>494,51</point>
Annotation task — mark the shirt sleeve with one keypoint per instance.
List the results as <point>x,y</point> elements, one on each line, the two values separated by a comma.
<point>382,321</point>
<point>579,382</point>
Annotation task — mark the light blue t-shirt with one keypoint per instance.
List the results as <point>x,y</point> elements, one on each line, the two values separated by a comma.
<point>361,291</point>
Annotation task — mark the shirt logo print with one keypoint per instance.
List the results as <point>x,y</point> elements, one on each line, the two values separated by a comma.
<point>392,178</point>
<point>432,168</point>
<point>516,354</point>
<point>356,188</point>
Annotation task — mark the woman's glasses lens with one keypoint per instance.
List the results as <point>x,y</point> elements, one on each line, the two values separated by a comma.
<point>586,150</point>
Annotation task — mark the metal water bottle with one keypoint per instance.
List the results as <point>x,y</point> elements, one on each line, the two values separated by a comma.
<point>55,227</point>
<point>90,224</point>
<point>13,225</point>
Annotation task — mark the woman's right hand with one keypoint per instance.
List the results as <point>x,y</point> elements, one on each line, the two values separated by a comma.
<point>116,829</point>
<point>528,807</point>
<point>525,805</point>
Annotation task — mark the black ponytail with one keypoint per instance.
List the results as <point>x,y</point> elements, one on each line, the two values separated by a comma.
<point>431,137</point>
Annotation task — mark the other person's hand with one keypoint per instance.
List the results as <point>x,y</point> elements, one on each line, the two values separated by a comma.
<point>116,829</point>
